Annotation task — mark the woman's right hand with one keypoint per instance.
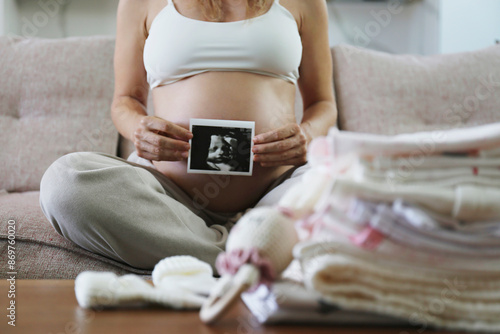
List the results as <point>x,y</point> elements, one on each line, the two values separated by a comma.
<point>160,140</point>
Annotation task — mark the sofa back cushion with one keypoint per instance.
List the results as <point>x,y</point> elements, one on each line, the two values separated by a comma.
<point>391,94</point>
<point>55,97</point>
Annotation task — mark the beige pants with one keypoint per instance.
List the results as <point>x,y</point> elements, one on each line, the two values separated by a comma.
<point>132,213</point>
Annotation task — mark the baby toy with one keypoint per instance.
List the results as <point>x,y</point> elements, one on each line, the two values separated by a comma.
<point>258,248</point>
<point>180,282</point>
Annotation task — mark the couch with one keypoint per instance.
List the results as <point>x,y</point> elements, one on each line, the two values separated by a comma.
<point>55,97</point>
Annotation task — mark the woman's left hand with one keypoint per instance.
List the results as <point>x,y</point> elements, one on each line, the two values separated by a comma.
<point>284,146</point>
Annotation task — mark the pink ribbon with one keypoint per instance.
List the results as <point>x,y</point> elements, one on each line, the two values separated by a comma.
<point>230,263</point>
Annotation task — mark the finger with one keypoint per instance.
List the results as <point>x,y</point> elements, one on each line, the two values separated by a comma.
<point>150,152</point>
<point>294,162</point>
<point>280,156</point>
<point>165,142</point>
<point>174,156</point>
<point>286,131</point>
<point>279,146</point>
<point>171,129</point>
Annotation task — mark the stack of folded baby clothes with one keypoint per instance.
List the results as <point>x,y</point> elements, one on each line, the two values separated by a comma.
<point>405,226</point>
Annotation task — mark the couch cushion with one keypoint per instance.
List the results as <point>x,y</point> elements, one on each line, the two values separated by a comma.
<point>40,251</point>
<point>55,97</point>
<point>390,94</point>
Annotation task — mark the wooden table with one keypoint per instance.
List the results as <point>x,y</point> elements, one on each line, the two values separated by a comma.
<point>50,307</point>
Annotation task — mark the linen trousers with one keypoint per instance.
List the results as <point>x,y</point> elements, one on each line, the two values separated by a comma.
<point>132,213</point>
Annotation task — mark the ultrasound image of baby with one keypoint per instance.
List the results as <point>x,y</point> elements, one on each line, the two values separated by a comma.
<point>222,153</point>
<point>221,147</point>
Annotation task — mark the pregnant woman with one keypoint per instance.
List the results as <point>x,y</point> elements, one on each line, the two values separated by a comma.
<point>209,59</point>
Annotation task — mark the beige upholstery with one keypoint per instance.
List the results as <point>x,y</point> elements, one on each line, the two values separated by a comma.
<point>390,94</point>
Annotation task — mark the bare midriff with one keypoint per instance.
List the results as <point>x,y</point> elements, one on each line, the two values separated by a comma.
<point>239,96</point>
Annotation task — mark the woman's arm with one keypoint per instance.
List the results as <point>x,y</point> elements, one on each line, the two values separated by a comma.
<point>316,73</point>
<point>154,138</point>
<point>288,144</point>
<point>131,89</point>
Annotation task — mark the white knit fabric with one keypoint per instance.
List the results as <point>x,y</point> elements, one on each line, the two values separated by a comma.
<point>438,298</point>
<point>181,282</point>
<point>422,251</point>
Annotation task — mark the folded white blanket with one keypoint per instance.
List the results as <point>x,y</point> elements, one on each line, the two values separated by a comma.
<point>463,202</point>
<point>425,298</point>
<point>414,261</point>
<point>443,177</point>
<point>427,220</point>
<point>393,222</point>
<point>453,187</point>
<point>331,230</point>
<point>480,138</point>
<point>384,163</point>
<point>289,302</point>
<point>429,171</point>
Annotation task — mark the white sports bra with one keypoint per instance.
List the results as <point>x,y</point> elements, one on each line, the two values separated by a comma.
<point>179,47</point>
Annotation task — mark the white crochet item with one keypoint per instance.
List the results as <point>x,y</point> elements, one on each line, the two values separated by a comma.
<point>185,272</point>
<point>180,282</point>
<point>269,231</point>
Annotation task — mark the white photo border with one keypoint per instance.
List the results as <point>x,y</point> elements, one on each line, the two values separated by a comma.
<point>224,124</point>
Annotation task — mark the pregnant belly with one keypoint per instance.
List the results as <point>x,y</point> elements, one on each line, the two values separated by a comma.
<point>269,102</point>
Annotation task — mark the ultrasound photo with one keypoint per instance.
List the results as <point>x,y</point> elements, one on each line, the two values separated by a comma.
<point>221,147</point>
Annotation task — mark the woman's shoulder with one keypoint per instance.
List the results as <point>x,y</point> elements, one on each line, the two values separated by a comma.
<point>309,7</point>
<point>140,11</point>
<point>133,10</point>
<point>305,10</point>
<point>139,6</point>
